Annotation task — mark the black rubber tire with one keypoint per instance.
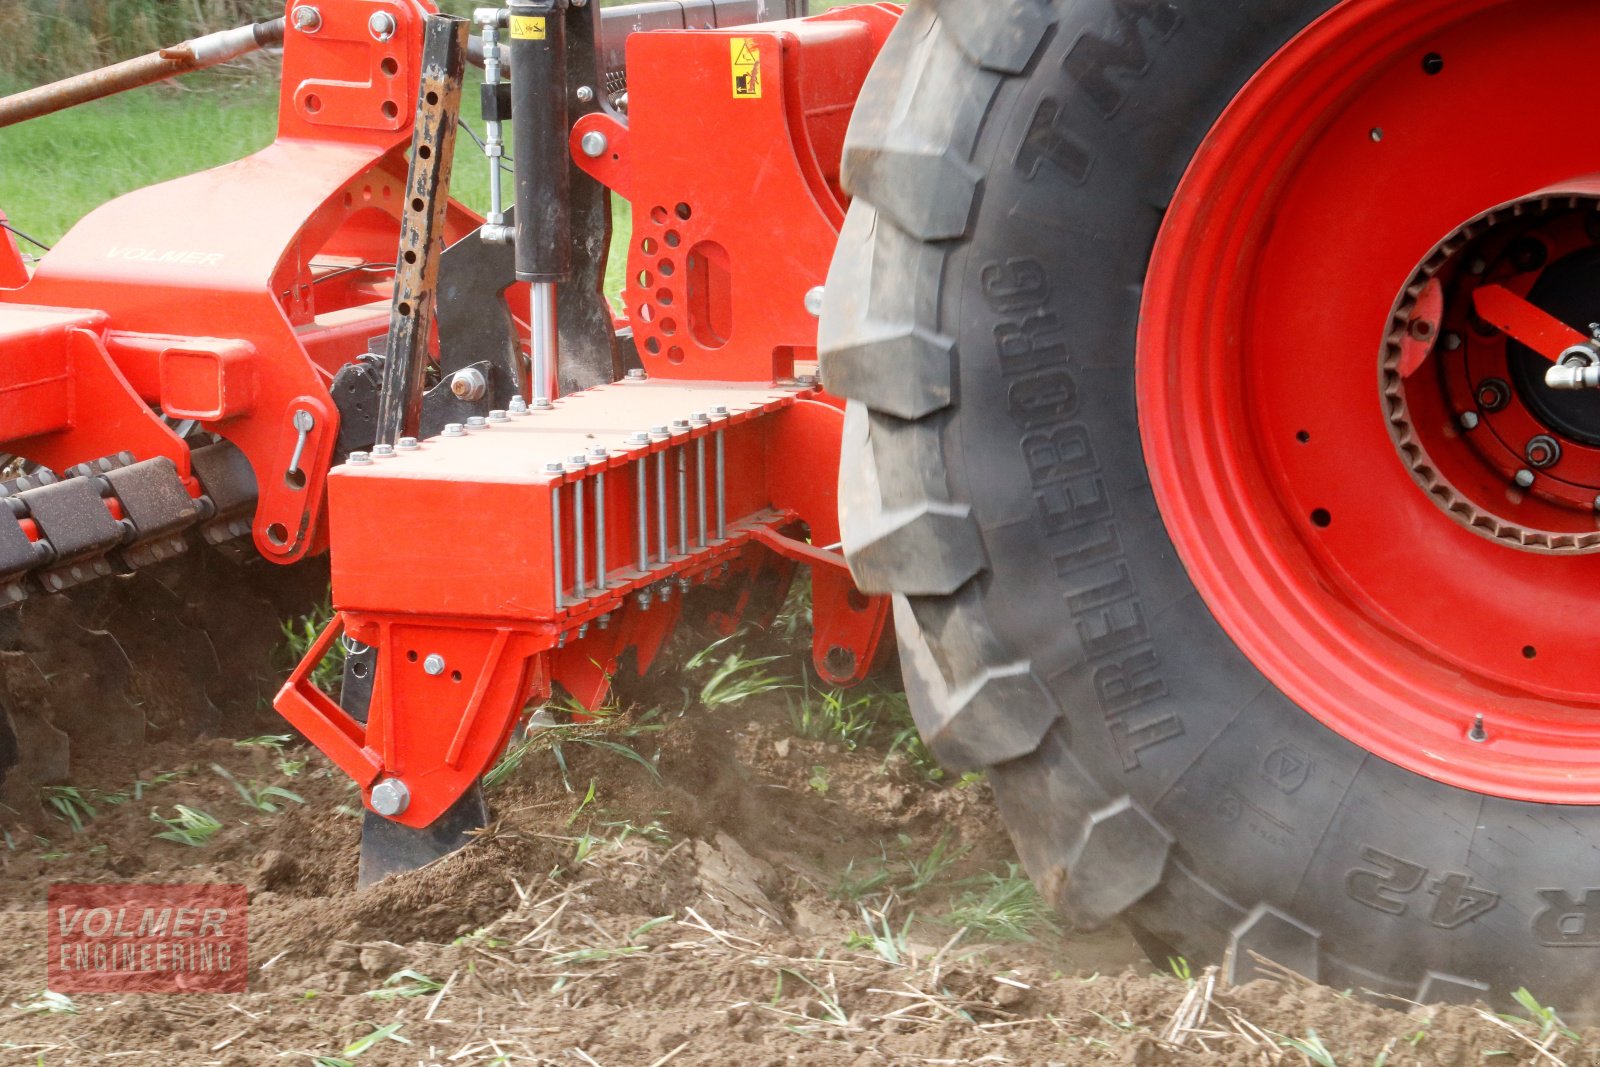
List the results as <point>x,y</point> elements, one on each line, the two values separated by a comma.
<point>1011,161</point>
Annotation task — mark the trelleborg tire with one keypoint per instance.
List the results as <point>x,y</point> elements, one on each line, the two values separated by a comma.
<point>1012,162</point>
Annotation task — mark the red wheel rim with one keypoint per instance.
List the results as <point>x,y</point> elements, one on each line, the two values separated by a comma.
<point>1347,161</point>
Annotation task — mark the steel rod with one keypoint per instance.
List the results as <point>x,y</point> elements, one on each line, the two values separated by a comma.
<point>683,499</point>
<point>722,488</point>
<point>642,479</point>
<point>578,527</point>
<point>544,341</point>
<point>700,487</point>
<point>661,505</point>
<point>555,542</point>
<point>198,54</point>
<point>600,582</point>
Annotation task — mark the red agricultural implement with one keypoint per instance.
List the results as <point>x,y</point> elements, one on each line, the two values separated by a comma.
<point>1213,385</point>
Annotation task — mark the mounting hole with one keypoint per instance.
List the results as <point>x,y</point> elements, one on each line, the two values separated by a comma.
<point>1321,518</point>
<point>672,239</point>
<point>684,212</point>
<point>652,346</point>
<point>675,354</point>
<point>664,297</point>
<point>411,657</point>
<point>649,246</point>
<point>857,600</point>
<point>417,203</point>
<point>404,308</point>
<point>659,216</point>
<point>669,326</point>
<point>432,98</point>
<point>410,257</point>
<point>389,66</point>
<point>646,313</point>
<point>313,103</point>
<point>455,676</point>
<point>1432,64</point>
<point>360,670</point>
<point>1304,437</point>
<point>278,534</point>
<point>295,480</point>
<point>667,268</point>
<point>840,662</point>
<point>349,199</point>
<point>424,152</point>
<point>645,279</point>
<point>390,109</point>
<point>1376,134</point>
<point>1529,652</point>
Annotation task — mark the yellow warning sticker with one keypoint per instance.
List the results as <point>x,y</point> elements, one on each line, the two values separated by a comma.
<point>746,68</point>
<point>527,27</point>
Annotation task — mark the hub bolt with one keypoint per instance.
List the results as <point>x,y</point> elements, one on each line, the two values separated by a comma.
<point>498,415</point>
<point>468,384</point>
<point>434,664</point>
<point>1493,394</point>
<point>1543,452</point>
<point>409,444</point>
<point>477,422</point>
<point>390,797</point>
<point>541,404</point>
<point>360,459</point>
<point>382,451</point>
<point>594,144</point>
<point>455,429</point>
<point>1470,420</point>
<point>1525,479</point>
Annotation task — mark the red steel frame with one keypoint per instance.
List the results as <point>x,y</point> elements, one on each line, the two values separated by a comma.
<point>201,296</point>
<point>459,560</point>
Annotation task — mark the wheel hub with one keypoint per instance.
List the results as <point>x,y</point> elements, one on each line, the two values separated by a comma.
<point>1501,451</point>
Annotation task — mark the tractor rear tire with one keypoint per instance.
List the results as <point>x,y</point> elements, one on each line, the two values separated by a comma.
<point>1012,163</point>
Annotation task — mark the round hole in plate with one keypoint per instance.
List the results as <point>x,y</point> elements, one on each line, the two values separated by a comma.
<point>649,246</point>
<point>411,657</point>
<point>672,239</point>
<point>646,313</point>
<point>390,109</point>
<point>1321,518</point>
<point>675,354</point>
<point>295,479</point>
<point>389,66</point>
<point>455,676</point>
<point>432,98</point>
<point>313,103</point>
<point>664,297</point>
<point>645,279</point>
<point>667,268</point>
<point>659,216</point>
<point>349,198</point>
<point>424,151</point>
<point>1304,437</point>
<point>410,257</point>
<point>1529,652</point>
<point>417,203</point>
<point>278,534</point>
<point>685,212</point>
<point>669,326</point>
<point>404,308</point>
<point>652,346</point>
<point>360,670</point>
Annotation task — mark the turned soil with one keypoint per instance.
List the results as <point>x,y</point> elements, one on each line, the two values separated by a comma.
<point>682,884</point>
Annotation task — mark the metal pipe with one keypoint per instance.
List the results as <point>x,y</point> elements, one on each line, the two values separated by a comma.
<point>722,489</point>
<point>642,478</point>
<point>700,487</point>
<point>543,341</point>
<point>198,54</point>
<point>578,523</point>
<point>683,498</point>
<point>661,505</point>
<point>555,540</point>
<point>600,582</point>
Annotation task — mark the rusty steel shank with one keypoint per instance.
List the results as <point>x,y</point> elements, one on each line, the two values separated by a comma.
<point>422,227</point>
<point>198,54</point>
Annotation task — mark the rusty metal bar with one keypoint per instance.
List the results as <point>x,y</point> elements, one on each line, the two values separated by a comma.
<point>198,54</point>
<point>416,278</point>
